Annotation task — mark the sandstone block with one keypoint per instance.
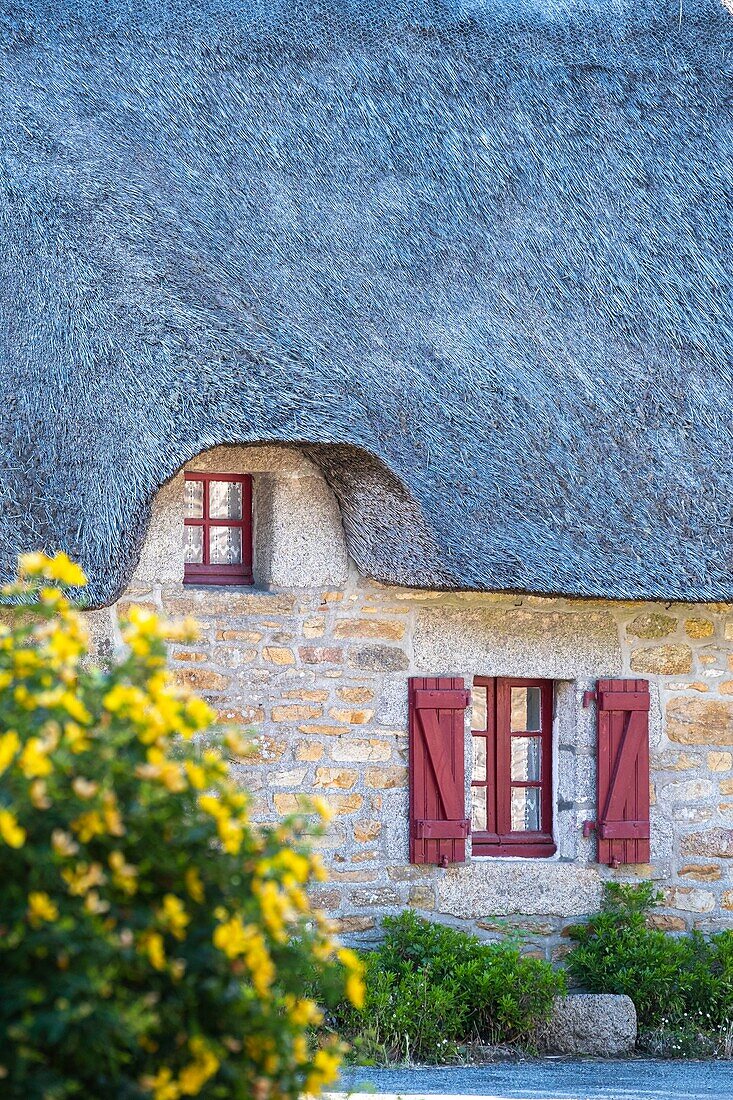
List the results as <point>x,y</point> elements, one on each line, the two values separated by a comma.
<point>365,855</point>
<point>726,786</point>
<point>353,717</point>
<point>314,628</point>
<point>601,1024</point>
<point>665,922</point>
<point>201,679</point>
<point>295,713</point>
<point>308,750</point>
<point>317,695</point>
<point>325,897</point>
<point>365,831</point>
<point>727,900</point>
<point>320,655</point>
<point>662,659</point>
<point>187,655</point>
<point>344,804</point>
<point>343,778</point>
<point>265,750</point>
<point>689,900</point>
<point>386,777</point>
<point>287,803</point>
<point>720,761</point>
<point>361,750</point>
<point>354,924</point>
<point>378,658</point>
<point>379,895</point>
<point>228,603</point>
<point>652,626</point>
<point>699,628</point>
<point>292,778</point>
<point>422,897</point>
<point>701,872</point>
<point>355,695</point>
<point>227,635</point>
<point>319,730</point>
<point>278,655</point>
<point>726,688</point>
<point>388,629</point>
<point>692,721</point>
<point>241,717</point>
<point>354,876</point>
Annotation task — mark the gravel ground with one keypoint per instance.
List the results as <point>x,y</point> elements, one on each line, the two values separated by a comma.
<point>551,1079</point>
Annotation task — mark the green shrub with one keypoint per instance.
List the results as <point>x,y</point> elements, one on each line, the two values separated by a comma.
<point>430,989</point>
<point>674,981</point>
<point>152,942</point>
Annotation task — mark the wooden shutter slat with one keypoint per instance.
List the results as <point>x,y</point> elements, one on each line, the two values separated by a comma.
<point>438,822</point>
<point>623,771</point>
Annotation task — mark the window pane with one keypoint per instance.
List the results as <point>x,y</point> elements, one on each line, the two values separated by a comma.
<point>526,758</point>
<point>225,545</point>
<point>194,498</point>
<point>193,545</point>
<point>225,500</point>
<point>479,759</point>
<point>478,708</point>
<point>525,809</point>
<point>525,708</point>
<point>478,809</point>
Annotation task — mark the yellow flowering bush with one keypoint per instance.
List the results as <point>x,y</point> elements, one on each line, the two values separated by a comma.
<point>153,943</point>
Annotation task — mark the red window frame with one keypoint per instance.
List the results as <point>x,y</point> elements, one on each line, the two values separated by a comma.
<point>204,572</point>
<point>498,839</point>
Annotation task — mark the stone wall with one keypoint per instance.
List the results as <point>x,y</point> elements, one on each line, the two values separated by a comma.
<point>316,658</point>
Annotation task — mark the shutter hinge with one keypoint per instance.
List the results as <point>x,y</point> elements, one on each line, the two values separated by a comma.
<point>589,697</point>
<point>588,827</point>
<point>469,697</point>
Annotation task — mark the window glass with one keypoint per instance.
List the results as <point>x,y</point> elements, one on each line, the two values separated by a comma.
<point>225,500</point>
<point>193,545</point>
<point>478,809</point>
<point>479,759</point>
<point>525,809</point>
<point>526,757</point>
<point>478,708</point>
<point>194,502</point>
<point>225,545</point>
<point>525,708</point>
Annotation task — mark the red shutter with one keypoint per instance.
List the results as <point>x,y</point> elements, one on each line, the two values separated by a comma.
<point>623,771</point>
<point>438,823</point>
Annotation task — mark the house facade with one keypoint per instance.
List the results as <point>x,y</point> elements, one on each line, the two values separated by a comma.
<point>319,662</point>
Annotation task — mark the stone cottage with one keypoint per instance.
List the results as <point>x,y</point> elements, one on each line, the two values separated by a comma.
<point>393,343</point>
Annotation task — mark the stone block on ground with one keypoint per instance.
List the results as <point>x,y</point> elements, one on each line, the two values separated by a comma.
<point>603,1024</point>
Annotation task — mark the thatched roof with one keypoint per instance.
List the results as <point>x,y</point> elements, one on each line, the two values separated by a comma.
<point>476,252</point>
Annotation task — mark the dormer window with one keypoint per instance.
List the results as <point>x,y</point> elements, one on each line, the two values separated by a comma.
<point>218,528</point>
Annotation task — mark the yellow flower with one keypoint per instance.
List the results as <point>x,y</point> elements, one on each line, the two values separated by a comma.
<point>236,939</point>
<point>76,737</point>
<point>111,813</point>
<point>61,568</point>
<point>34,762</point>
<point>63,844</point>
<point>355,990</point>
<point>199,714</point>
<point>194,1076</point>
<point>32,565</point>
<point>162,1086</point>
<point>9,745</point>
<point>237,744</point>
<point>302,1011</point>
<point>41,908</point>
<point>194,885</point>
<point>94,904</point>
<point>173,916</point>
<point>196,775</point>
<point>81,878</point>
<point>11,832</point>
<point>152,944</point>
<point>89,825</point>
<point>125,699</point>
<point>325,1071</point>
<point>39,798</point>
<point>124,874</point>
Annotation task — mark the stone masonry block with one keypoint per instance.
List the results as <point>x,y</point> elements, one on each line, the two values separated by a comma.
<point>600,1024</point>
<point>694,721</point>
